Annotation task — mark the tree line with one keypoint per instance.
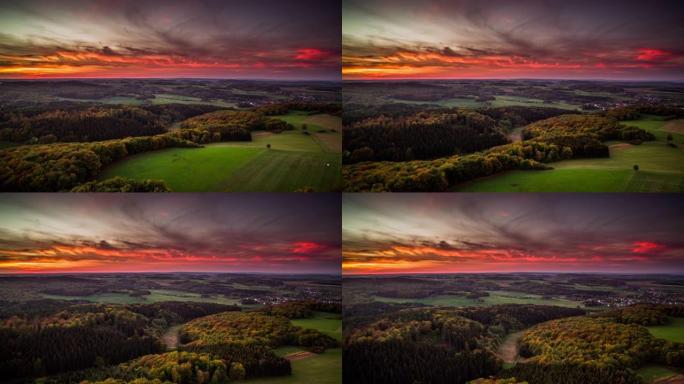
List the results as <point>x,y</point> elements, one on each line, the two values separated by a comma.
<point>89,335</point>
<point>249,338</point>
<point>546,141</point>
<point>43,125</point>
<point>604,348</point>
<point>436,345</point>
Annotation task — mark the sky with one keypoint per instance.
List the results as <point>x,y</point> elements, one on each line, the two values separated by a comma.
<point>527,232</point>
<point>256,39</point>
<point>270,233</point>
<point>550,39</point>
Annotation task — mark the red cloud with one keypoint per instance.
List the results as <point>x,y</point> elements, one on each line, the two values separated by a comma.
<point>306,247</point>
<point>647,247</point>
<point>647,54</point>
<point>311,54</point>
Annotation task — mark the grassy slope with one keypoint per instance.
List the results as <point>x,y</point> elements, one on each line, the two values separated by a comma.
<point>328,323</point>
<point>673,331</point>
<point>660,170</point>
<point>295,161</point>
<point>324,368</point>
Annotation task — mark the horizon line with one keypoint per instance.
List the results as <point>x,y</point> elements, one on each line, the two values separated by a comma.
<point>510,78</point>
<point>2,274</point>
<point>168,78</point>
<point>512,273</point>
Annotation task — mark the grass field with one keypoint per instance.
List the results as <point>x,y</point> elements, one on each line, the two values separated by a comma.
<point>661,169</point>
<point>505,101</point>
<point>650,373</point>
<point>155,296</point>
<point>328,323</point>
<point>324,368</point>
<point>294,161</point>
<point>494,298</point>
<point>673,331</point>
<point>500,101</point>
<point>440,300</point>
<point>165,98</point>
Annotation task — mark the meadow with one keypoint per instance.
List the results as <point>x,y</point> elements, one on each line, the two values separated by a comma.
<point>303,158</point>
<point>660,167</point>
<point>325,368</point>
<point>494,298</point>
<point>672,331</point>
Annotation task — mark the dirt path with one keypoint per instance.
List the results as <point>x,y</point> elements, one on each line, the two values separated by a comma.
<point>170,337</point>
<point>299,355</point>
<point>508,350</point>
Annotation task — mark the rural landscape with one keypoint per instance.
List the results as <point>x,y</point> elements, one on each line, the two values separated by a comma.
<point>515,289</point>
<point>496,97</point>
<point>130,291</point>
<point>140,103</point>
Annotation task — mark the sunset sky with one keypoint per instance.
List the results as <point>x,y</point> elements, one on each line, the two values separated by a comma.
<point>283,233</point>
<point>451,233</point>
<point>584,39</point>
<point>269,39</point>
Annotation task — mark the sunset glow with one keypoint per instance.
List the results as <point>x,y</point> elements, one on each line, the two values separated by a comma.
<point>149,233</point>
<point>134,39</point>
<point>385,39</point>
<point>452,233</point>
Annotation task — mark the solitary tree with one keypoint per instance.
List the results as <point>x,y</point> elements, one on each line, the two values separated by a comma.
<point>268,146</point>
<point>305,127</point>
<point>636,167</point>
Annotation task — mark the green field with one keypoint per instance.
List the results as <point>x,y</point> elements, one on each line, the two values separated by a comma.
<point>673,331</point>
<point>439,300</point>
<point>166,98</point>
<point>324,368</point>
<point>506,101</point>
<point>494,298</point>
<point>328,323</point>
<point>499,101</point>
<point>294,161</point>
<point>661,169</point>
<point>650,373</point>
<point>155,296</point>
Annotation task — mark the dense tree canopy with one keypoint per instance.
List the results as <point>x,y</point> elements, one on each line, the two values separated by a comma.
<point>82,336</point>
<point>436,345</point>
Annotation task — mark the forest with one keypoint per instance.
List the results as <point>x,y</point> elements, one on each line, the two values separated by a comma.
<point>122,343</point>
<point>69,147</point>
<point>88,335</point>
<point>562,137</point>
<point>558,345</point>
<point>406,346</point>
<point>603,348</point>
<point>431,134</point>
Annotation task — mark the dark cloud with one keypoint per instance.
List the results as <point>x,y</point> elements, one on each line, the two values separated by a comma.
<point>222,232</point>
<point>555,38</point>
<point>526,232</point>
<point>161,38</point>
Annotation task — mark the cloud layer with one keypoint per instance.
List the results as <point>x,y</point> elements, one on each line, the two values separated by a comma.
<point>505,39</point>
<point>421,233</point>
<point>230,39</point>
<point>181,232</point>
